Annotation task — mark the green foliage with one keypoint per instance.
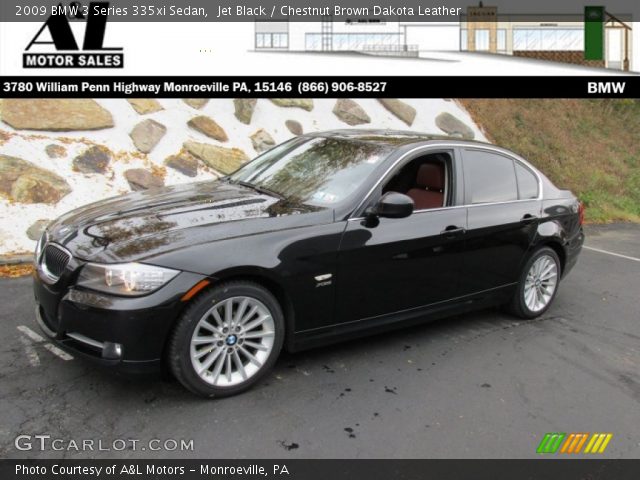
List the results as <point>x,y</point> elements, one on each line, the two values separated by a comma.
<point>591,147</point>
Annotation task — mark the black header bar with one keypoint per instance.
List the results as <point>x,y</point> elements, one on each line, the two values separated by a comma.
<point>306,10</point>
<point>318,87</point>
<point>533,469</point>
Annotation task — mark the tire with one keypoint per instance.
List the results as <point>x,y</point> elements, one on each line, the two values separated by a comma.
<point>538,284</point>
<point>227,339</point>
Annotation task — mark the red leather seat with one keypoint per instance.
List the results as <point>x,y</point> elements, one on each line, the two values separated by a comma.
<point>429,189</point>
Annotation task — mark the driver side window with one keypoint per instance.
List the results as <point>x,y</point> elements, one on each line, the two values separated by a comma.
<point>424,179</point>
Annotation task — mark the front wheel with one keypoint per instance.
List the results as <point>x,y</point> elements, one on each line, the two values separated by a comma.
<point>538,284</point>
<point>227,340</point>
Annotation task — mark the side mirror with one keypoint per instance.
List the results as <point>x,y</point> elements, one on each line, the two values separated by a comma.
<point>392,205</point>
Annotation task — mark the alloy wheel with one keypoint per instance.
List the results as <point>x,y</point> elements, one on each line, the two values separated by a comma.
<point>232,341</point>
<point>541,283</point>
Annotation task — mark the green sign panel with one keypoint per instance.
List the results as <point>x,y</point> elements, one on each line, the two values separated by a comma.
<point>594,33</point>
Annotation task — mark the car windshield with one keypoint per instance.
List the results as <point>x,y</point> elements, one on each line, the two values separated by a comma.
<point>316,170</point>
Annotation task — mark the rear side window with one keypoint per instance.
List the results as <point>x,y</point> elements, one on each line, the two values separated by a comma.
<point>488,178</point>
<point>527,182</point>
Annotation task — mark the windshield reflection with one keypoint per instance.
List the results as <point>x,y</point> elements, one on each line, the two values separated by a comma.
<point>318,171</point>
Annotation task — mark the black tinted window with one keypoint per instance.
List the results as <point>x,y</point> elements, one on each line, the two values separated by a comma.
<point>488,178</point>
<point>527,182</point>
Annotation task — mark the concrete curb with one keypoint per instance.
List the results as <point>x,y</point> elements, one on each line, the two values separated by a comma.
<point>15,259</point>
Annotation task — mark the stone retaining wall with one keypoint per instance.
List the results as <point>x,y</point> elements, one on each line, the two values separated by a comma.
<point>56,155</point>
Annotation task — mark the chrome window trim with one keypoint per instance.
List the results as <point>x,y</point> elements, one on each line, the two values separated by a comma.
<point>46,274</point>
<point>440,145</point>
<point>452,207</point>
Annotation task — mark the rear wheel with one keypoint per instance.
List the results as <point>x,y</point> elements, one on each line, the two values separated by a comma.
<point>227,340</point>
<point>538,284</point>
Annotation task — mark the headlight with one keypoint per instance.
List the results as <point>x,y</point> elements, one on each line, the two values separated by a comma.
<point>129,279</point>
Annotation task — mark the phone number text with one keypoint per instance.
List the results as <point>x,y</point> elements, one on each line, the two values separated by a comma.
<point>323,88</point>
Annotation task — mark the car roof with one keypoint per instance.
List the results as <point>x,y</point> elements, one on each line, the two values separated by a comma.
<point>389,137</point>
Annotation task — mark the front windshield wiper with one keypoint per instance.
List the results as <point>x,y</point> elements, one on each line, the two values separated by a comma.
<point>259,189</point>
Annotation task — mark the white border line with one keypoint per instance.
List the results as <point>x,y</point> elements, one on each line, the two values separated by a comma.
<point>39,339</point>
<point>30,333</point>
<point>612,253</point>
<point>32,355</point>
<point>56,351</point>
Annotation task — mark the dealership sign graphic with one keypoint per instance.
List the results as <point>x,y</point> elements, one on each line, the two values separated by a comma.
<point>67,52</point>
<point>574,443</point>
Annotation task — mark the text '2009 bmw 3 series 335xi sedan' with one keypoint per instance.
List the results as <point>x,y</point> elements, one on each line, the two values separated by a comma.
<point>323,238</point>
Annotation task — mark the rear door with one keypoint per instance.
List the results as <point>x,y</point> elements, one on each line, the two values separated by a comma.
<point>502,196</point>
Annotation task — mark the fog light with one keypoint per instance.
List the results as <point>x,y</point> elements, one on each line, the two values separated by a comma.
<point>112,351</point>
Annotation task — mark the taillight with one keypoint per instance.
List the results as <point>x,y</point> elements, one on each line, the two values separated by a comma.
<point>581,212</point>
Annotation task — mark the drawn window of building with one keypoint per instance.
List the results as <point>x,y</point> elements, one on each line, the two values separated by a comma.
<point>464,40</point>
<point>312,41</point>
<point>355,41</point>
<point>280,40</point>
<point>502,40</point>
<point>272,40</point>
<point>549,39</point>
<point>482,40</point>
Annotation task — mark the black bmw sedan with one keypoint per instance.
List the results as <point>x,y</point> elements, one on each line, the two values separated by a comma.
<point>325,237</point>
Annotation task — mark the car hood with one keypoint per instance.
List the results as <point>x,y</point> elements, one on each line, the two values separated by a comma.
<point>140,225</point>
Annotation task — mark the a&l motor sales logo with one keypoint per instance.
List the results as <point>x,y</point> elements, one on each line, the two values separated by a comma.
<point>57,33</point>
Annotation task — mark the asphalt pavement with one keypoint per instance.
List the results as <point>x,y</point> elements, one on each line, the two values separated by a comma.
<point>482,385</point>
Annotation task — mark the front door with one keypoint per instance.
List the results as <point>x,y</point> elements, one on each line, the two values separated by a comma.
<point>396,265</point>
<point>400,264</point>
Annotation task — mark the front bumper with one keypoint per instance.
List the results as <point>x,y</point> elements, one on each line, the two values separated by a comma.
<point>128,333</point>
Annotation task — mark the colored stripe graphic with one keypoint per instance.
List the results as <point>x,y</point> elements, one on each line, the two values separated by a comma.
<point>572,443</point>
<point>582,441</point>
<point>598,443</point>
<point>551,442</point>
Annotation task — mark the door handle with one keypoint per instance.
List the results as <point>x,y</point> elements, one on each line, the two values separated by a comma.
<point>528,218</point>
<point>453,231</point>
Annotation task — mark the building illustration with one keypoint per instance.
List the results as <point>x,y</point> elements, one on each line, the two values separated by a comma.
<point>595,38</point>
